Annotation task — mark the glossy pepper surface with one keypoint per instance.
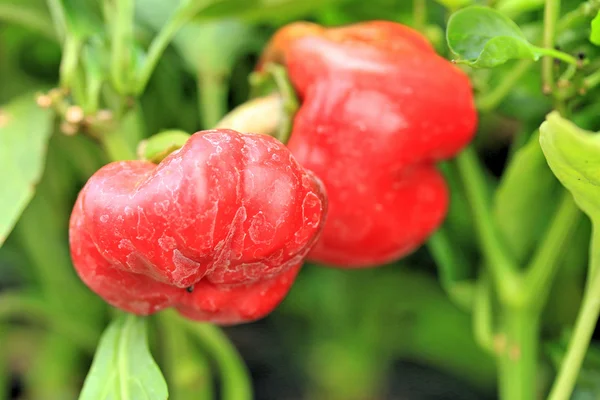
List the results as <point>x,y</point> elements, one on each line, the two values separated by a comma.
<point>218,229</point>
<point>378,109</point>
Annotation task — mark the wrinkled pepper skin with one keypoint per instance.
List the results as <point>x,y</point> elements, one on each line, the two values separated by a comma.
<point>218,229</point>
<point>378,109</point>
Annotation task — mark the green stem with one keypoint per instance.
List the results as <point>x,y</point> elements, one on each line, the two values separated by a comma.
<point>158,45</point>
<point>584,328</point>
<point>213,90</point>
<point>235,379</point>
<point>503,269</point>
<point>558,55</point>
<point>452,269</point>
<point>189,376</point>
<point>518,354</point>
<point>28,18</point>
<point>482,314</point>
<point>116,146</point>
<point>592,80</point>
<point>491,99</point>
<point>121,40</point>
<point>551,12</point>
<point>419,14</point>
<point>545,263</point>
<point>58,17</point>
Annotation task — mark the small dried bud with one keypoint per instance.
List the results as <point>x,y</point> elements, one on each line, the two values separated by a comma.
<point>68,128</point>
<point>44,100</point>
<point>74,115</point>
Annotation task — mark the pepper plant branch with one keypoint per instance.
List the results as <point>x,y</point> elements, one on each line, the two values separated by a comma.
<point>483,323</point>
<point>584,328</point>
<point>182,15</point>
<point>419,14</point>
<point>551,12</point>
<point>234,374</point>
<point>503,269</point>
<point>450,268</point>
<point>545,262</point>
<point>58,17</point>
<point>121,40</point>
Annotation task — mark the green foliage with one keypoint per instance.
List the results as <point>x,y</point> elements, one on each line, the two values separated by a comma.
<point>572,154</point>
<point>24,132</point>
<point>595,32</point>
<point>485,38</point>
<point>123,368</point>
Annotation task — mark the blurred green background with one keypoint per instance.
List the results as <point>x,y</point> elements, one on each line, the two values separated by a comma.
<point>386,333</point>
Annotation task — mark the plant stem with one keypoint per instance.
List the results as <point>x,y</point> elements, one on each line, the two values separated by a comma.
<point>121,39</point>
<point>560,55</point>
<point>584,328</point>
<point>518,354</point>
<point>213,90</point>
<point>490,100</point>
<point>158,45</point>
<point>452,269</point>
<point>592,80</point>
<point>503,269</point>
<point>551,12</point>
<point>116,146</point>
<point>58,17</point>
<point>235,379</point>
<point>419,14</point>
<point>544,264</point>
<point>482,314</point>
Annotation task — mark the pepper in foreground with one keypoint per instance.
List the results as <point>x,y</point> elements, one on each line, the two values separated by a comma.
<point>378,109</point>
<point>218,229</point>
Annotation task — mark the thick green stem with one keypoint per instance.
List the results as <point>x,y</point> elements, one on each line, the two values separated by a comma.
<point>116,146</point>
<point>551,12</point>
<point>213,90</point>
<point>503,269</point>
<point>518,348</point>
<point>235,378</point>
<point>584,328</point>
<point>544,265</point>
<point>419,14</point>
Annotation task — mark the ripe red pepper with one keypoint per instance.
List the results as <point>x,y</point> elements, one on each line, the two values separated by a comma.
<point>378,109</point>
<point>218,229</point>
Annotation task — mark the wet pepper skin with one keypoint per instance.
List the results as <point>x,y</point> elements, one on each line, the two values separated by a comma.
<point>378,109</point>
<point>218,229</point>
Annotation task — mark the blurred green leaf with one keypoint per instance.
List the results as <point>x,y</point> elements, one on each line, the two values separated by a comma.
<point>263,10</point>
<point>595,33</point>
<point>157,147</point>
<point>454,4</point>
<point>484,38</point>
<point>123,367</point>
<point>24,132</point>
<point>525,200</point>
<point>574,156</point>
<point>29,14</point>
<point>513,8</point>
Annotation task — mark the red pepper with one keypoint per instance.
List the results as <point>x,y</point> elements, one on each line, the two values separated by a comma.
<point>218,229</point>
<point>378,109</point>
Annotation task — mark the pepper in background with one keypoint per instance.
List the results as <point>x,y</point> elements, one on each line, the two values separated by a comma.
<point>378,109</point>
<point>218,229</point>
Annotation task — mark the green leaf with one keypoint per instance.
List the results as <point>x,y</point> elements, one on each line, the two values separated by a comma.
<point>595,33</point>
<point>454,4</point>
<point>24,132</point>
<point>484,38</point>
<point>574,156</point>
<point>525,200</point>
<point>123,368</point>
